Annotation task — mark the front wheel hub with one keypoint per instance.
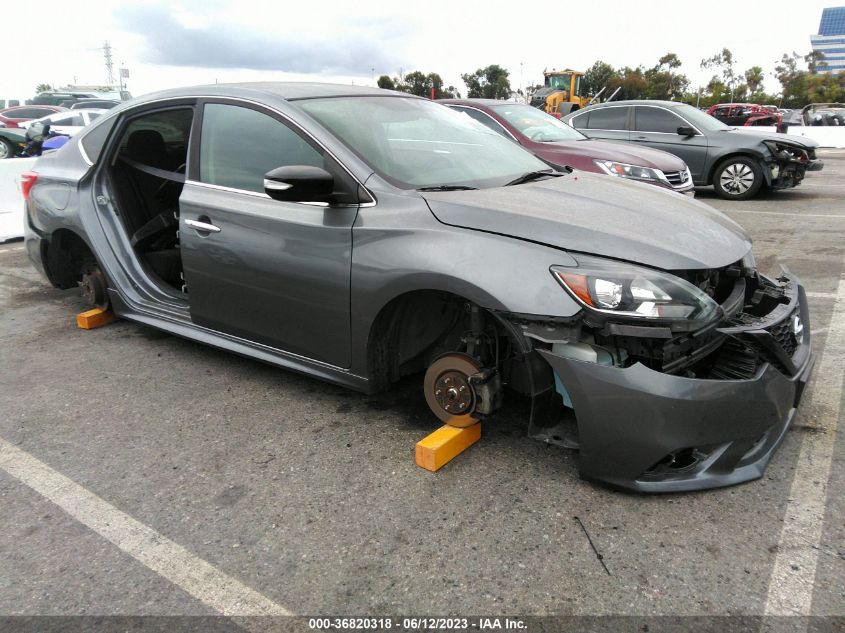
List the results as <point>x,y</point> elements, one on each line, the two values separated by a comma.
<point>448,390</point>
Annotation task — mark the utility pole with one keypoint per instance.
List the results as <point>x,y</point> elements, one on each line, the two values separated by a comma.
<point>109,63</point>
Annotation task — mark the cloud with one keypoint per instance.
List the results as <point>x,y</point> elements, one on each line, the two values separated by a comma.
<point>352,52</point>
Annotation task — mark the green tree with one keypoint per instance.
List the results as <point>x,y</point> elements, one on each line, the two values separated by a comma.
<point>723,61</point>
<point>420,84</point>
<point>489,83</point>
<point>416,83</point>
<point>597,77</point>
<point>386,82</point>
<point>754,79</point>
<point>714,92</point>
<point>815,61</point>
<point>793,81</point>
<point>631,82</point>
<point>43,88</point>
<point>663,80</point>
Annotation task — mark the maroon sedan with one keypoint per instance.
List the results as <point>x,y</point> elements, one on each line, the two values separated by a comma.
<point>10,117</point>
<point>557,143</point>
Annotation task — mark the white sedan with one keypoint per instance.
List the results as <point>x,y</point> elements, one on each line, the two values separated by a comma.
<point>68,122</point>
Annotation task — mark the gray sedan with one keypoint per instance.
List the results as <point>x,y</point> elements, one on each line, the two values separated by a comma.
<point>360,236</point>
<point>737,163</point>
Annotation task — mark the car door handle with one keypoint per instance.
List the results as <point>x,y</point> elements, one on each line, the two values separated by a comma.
<point>205,227</point>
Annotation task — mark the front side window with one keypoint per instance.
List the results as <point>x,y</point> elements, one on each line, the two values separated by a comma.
<point>414,143</point>
<point>613,118</point>
<point>698,119</point>
<point>239,145</point>
<point>657,120</point>
<point>536,124</point>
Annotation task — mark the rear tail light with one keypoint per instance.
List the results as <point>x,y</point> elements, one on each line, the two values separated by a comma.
<point>28,179</point>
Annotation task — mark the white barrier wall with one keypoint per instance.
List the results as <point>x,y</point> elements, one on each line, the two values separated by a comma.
<point>11,201</point>
<point>824,135</point>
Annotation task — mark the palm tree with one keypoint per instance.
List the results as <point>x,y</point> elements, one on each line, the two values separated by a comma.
<point>754,79</point>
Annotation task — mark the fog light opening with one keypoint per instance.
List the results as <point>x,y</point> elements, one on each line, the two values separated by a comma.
<point>677,461</point>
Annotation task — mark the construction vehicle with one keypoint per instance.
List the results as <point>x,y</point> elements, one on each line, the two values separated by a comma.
<point>561,92</point>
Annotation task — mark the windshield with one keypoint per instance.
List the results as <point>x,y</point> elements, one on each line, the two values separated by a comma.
<point>414,143</point>
<point>699,119</point>
<point>536,124</point>
<point>561,82</point>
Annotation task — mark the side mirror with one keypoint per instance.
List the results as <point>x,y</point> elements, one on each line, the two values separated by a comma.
<point>686,130</point>
<point>299,183</point>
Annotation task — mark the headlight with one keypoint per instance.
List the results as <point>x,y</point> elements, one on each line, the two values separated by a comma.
<point>786,151</point>
<point>615,288</point>
<point>748,262</point>
<point>629,171</point>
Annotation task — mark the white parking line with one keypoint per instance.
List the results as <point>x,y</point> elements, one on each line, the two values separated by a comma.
<point>821,295</point>
<point>192,574</point>
<point>794,572</point>
<point>829,216</point>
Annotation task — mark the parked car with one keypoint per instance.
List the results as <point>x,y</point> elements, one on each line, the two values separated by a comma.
<point>745,114</point>
<point>55,98</point>
<point>68,122</point>
<point>737,164</point>
<point>12,142</point>
<point>360,235</point>
<point>14,116</point>
<point>103,104</point>
<point>824,114</point>
<point>559,144</point>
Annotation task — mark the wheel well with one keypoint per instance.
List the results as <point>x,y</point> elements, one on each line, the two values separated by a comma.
<point>722,159</point>
<point>66,255</point>
<point>415,328</point>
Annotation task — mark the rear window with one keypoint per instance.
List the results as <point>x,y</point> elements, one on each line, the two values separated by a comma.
<point>72,120</point>
<point>27,113</point>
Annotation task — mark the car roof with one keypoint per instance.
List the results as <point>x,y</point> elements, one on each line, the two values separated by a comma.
<point>73,112</point>
<point>12,109</point>
<point>483,102</point>
<point>630,102</point>
<point>290,91</point>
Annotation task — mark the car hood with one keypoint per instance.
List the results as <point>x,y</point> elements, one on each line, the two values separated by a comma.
<point>13,133</point>
<point>801,141</point>
<point>621,152</point>
<point>604,216</point>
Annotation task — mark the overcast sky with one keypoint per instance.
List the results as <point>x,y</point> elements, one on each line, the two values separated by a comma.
<point>186,42</point>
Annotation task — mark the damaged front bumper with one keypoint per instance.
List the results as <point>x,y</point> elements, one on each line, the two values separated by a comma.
<point>789,165</point>
<point>650,431</point>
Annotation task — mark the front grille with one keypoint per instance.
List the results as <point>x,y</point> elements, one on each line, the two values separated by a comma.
<point>677,178</point>
<point>783,334</point>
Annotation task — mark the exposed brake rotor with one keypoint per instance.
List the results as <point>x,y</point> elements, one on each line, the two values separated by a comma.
<point>448,390</point>
<point>94,288</point>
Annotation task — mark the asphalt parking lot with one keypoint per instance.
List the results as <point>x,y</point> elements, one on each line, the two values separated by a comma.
<point>279,493</point>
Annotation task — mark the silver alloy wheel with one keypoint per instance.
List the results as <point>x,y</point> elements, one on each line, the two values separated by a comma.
<point>736,178</point>
<point>4,150</point>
